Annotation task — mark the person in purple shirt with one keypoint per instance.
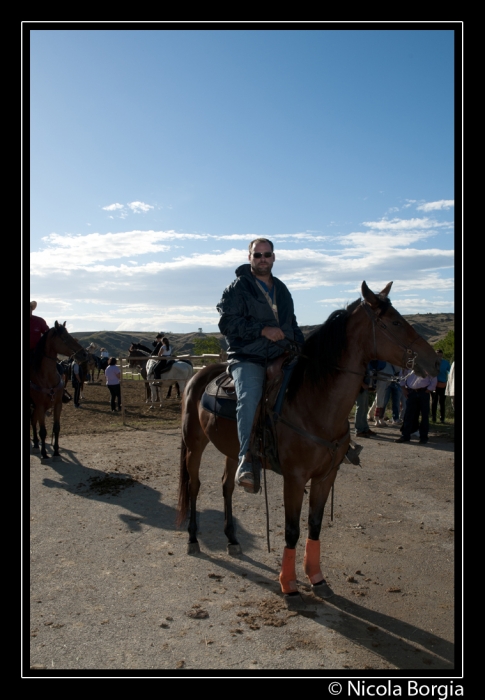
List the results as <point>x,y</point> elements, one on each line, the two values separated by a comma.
<point>417,391</point>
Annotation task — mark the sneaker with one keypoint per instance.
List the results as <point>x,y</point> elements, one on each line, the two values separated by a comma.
<point>415,434</point>
<point>402,439</point>
<point>371,433</point>
<point>363,433</point>
<point>245,477</point>
<point>423,441</point>
<point>396,422</point>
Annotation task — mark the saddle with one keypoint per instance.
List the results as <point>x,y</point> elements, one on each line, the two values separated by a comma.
<point>161,367</point>
<point>220,399</point>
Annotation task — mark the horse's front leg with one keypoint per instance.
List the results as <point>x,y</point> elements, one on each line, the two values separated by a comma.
<point>293,491</point>
<point>233,546</point>
<point>311,563</point>
<point>33,423</point>
<point>43,435</point>
<point>57,428</point>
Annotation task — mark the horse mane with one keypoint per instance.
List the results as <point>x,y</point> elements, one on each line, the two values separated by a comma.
<point>40,350</point>
<point>139,346</point>
<point>323,348</point>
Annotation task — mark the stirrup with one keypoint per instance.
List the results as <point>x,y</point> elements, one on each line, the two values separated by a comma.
<point>352,456</point>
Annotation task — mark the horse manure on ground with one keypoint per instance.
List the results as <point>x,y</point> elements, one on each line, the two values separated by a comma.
<point>110,484</point>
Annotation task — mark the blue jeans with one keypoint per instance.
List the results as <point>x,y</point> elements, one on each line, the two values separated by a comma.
<point>361,408</point>
<point>393,392</point>
<point>248,381</point>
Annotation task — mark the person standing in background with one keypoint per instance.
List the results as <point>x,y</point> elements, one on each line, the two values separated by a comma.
<point>439,395</point>
<point>113,378</point>
<point>450,385</point>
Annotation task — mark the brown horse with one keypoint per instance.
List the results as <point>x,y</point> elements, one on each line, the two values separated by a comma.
<point>47,385</point>
<point>312,429</point>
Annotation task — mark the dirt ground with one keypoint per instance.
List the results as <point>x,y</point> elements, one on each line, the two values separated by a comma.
<point>113,591</point>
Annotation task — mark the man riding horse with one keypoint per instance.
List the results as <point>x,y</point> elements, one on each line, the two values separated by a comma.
<point>38,326</point>
<point>259,323</point>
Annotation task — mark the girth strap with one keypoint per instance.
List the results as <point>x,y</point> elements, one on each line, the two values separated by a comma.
<point>334,445</point>
<point>50,392</point>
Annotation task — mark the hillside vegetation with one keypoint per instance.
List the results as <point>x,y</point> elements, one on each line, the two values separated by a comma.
<point>432,327</point>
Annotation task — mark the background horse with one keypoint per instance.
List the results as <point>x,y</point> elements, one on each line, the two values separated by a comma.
<point>137,350</point>
<point>312,429</point>
<point>89,367</point>
<point>180,372</point>
<point>47,385</point>
<point>101,364</point>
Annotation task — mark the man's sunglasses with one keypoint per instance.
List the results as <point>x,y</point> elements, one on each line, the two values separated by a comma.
<point>260,255</point>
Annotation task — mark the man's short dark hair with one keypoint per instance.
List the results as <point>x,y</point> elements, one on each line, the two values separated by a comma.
<point>260,240</point>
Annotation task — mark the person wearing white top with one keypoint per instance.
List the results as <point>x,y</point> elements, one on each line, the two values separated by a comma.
<point>113,377</point>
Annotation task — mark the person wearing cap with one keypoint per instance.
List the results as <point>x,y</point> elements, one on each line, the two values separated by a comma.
<point>37,327</point>
<point>438,395</point>
<point>157,343</point>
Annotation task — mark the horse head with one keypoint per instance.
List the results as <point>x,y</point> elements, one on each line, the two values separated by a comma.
<point>417,353</point>
<point>66,344</point>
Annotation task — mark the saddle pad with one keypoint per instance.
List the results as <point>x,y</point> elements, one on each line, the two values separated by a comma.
<point>219,405</point>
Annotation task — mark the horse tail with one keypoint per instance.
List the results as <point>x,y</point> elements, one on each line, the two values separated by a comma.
<point>183,502</point>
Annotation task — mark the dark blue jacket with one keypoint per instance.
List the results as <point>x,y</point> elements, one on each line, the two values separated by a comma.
<point>245,312</point>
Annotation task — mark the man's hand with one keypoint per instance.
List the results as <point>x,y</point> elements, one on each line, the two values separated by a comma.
<point>273,333</point>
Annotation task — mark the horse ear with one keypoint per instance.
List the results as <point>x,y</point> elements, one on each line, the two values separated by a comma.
<point>64,324</point>
<point>368,295</point>
<point>386,290</point>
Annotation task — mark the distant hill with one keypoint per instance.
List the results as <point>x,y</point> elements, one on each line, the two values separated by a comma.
<point>432,327</point>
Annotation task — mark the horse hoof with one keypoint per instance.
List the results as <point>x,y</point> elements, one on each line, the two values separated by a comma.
<point>322,590</point>
<point>56,458</point>
<point>193,548</point>
<point>294,601</point>
<point>234,549</point>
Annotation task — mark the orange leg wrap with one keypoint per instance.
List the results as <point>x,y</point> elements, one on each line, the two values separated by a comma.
<point>288,571</point>
<point>311,561</point>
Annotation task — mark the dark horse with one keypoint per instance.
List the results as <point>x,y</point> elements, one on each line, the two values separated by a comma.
<point>312,429</point>
<point>47,385</point>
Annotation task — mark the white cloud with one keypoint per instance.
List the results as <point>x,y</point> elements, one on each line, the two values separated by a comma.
<point>434,206</point>
<point>113,207</point>
<point>138,207</point>
<point>403,224</point>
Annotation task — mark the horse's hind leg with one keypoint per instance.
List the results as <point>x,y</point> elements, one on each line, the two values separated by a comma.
<point>194,441</point>
<point>311,562</point>
<point>233,546</point>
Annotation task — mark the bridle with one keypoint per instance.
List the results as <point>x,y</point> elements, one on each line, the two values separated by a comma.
<point>409,355</point>
<point>52,391</point>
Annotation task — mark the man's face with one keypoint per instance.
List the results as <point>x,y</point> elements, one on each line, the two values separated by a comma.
<point>261,266</point>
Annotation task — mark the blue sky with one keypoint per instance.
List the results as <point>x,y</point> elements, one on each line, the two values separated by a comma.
<point>157,155</point>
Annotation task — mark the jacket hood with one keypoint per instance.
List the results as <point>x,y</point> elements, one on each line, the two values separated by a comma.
<point>244,270</point>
